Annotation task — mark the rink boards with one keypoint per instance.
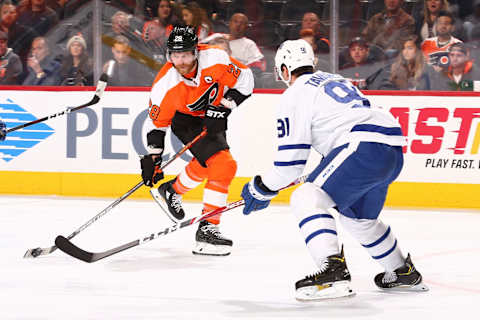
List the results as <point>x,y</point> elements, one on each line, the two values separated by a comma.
<point>94,151</point>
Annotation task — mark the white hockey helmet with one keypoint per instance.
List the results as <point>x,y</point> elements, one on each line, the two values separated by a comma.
<point>293,54</point>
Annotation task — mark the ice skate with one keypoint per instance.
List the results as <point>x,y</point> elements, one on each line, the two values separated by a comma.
<point>405,278</point>
<point>169,200</point>
<point>332,281</point>
<point>210,241</point>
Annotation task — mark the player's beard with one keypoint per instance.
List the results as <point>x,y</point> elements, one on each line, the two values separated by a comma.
<point>186,68</point>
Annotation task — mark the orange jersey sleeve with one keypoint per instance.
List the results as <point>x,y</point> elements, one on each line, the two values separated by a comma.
<point>172,92</point>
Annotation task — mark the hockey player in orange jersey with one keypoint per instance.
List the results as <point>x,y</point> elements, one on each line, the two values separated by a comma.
<point>196,85</point>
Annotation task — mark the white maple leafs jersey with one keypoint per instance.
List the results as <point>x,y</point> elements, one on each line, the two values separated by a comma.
<point>324,111</point>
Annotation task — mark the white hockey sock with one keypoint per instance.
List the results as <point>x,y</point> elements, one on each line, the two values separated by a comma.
<point>318,227</point>
<point>378,239</point>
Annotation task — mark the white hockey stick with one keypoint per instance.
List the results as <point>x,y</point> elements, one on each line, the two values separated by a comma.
<point>33,253</point>
<point>69,248</point>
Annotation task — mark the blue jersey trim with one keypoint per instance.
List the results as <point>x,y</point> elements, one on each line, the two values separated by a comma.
<point>316,233</point>
<point>289,163</point>
<point>294,146</point>
<point>373,128</point>
<point>386,253</point>
<point>315,216</point>
<point>373,244</point>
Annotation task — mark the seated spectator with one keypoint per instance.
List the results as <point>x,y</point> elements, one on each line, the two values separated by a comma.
<point>127,71</point>
<point>425,21</point>
<point>77,67</point>
<point>389,29</point>
<point>460,73</point>
<point>196,17</point>
<point>213,8</point>
<point>36,14</point>
<point>244,49</point>
<point>310,20</point>
<point>436,49</point>
<point>20,37</point>
<point>42,69</point>
<point>425,13</point>
<point>10,64</point>
<point>360,62</point>
<point>408,72</point>
<point>162,23</point>
<point>156,31</point>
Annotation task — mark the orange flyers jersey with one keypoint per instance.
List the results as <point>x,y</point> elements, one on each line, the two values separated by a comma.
<point>216,73</point>
<point>430,47</point>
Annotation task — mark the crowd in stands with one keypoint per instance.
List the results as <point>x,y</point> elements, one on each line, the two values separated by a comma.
<point>382,45</point>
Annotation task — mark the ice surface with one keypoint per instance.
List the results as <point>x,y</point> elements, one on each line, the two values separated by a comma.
<point>163,280</point>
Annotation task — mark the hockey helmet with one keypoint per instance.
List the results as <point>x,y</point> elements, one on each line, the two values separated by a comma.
<point>181,39</point>
<point>293,54</point>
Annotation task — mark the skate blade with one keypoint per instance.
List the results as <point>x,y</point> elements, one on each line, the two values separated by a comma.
<point>421,287</point>
<point>334,290</point>
<point>207,249</point>
<point>162,204</point>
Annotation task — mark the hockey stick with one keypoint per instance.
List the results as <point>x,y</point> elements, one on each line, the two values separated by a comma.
<point>102,83</point>
<point>69,248</point>
<point>33,253</point>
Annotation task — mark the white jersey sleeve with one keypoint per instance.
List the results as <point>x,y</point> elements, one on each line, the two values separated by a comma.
<point>324,111</point>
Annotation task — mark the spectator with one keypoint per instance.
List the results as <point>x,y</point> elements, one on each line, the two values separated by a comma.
<point>127,71</point>
<point>161,24</point>
<point>310,20</point>
<point>425,23</point>
<point>196,17</point>
<point>389,29</point>
<point>129,27</point>
<point>42,69</point>
<point>408,72</point>
<point>20,37</point>
<point>10,64</point>
<point>37,15</point>
<point>213,8</point>
<point>360,62</point>
<point>461,72</point>
<point>436,49</point>
<point>77,67</point>
<point>156,31</point>
<point>244,49</point>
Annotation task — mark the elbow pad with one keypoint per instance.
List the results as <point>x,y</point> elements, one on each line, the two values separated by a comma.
<point>235,96</point>
<point>156,141</point>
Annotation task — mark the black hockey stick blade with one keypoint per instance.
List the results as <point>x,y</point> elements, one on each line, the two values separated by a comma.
<point>69,248</point>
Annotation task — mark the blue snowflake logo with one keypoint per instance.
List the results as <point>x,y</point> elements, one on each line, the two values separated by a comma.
<point>19,141</point>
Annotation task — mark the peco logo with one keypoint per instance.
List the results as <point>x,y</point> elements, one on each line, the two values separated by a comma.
<point>17,142</point>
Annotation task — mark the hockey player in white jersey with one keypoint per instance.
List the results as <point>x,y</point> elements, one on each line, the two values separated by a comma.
<point>362,150</point>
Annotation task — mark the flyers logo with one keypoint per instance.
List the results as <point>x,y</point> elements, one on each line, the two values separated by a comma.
<point>207,98</point>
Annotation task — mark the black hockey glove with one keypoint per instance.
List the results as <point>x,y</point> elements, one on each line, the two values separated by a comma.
<point>150,163</point>
<point>216,119</point>
<point>151,172</point>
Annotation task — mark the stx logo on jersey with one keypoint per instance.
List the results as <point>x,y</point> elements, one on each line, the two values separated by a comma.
<point>216,114</point>
<point>208,97</point>
<point>17,142</point>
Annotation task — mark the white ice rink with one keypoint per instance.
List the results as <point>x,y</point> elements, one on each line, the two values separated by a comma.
<point>163,280</point>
